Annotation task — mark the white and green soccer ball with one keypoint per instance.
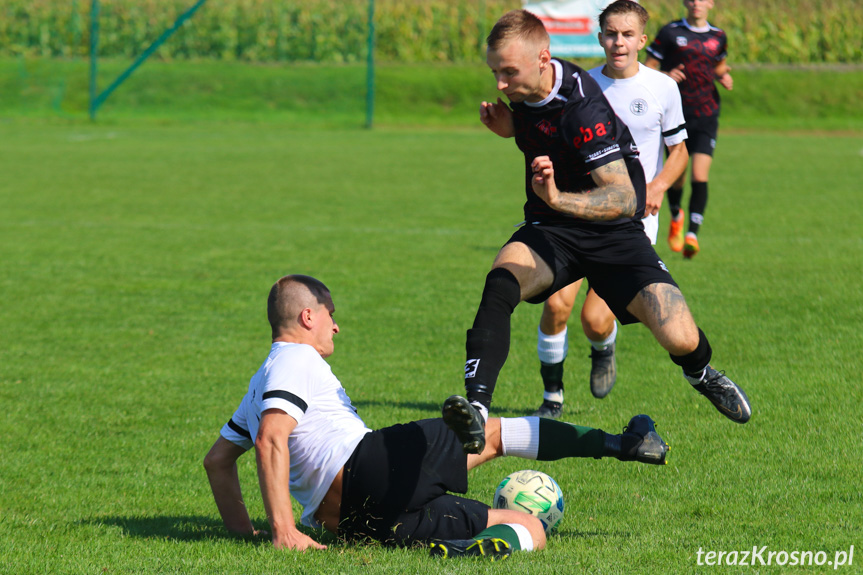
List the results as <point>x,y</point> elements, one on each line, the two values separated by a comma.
<point>533,492</point>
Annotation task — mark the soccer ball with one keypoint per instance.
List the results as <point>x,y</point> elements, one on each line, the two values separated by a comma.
<point>533,492</point>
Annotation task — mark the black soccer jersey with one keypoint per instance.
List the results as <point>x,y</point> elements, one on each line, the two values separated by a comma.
<point>699,52</point>
<point>576,127</point>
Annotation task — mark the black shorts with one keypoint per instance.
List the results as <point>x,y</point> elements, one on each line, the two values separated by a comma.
<point>701,134</point>
<point>618,260</point>
<point>396,484</point>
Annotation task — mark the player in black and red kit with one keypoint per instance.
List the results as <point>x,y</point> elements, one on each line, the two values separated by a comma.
<point>693,53</point>
<point>585,198</point>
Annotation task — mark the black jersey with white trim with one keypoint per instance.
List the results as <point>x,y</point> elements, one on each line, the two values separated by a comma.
<point>699,50</point>
<point>577,129</point>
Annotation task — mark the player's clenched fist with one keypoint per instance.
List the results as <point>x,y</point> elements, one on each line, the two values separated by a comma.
<point>543,180</point>
<point>497,118</point>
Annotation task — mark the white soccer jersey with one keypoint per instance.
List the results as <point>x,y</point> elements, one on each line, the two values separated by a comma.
<point>649,104</point>
<point>297,380</point>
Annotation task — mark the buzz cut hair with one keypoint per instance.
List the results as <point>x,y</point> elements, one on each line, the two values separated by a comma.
<point>290,295</point>
<point>622,7</point>
<point>518,24</point>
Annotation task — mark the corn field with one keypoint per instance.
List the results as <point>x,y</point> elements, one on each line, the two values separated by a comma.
<point>759,31</point>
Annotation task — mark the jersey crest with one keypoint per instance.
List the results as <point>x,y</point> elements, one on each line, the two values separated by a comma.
<point>638,107</point>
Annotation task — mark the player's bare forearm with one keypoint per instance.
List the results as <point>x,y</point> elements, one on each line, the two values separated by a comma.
<point>612,199</point>
<point>273,459</point>
<point>274,474</point>
<point>220,464</point>
<point>674,167</point>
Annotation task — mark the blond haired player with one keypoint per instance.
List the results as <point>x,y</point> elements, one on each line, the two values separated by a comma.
<point>649,104</point>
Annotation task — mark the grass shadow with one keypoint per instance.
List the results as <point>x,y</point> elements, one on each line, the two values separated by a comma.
<point>189,528</point>
<point>431,409</point>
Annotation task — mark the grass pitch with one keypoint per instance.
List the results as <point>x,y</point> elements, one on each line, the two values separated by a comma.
<point>136,263</point>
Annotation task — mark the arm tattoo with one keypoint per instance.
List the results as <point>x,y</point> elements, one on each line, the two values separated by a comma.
<point>614,197</point>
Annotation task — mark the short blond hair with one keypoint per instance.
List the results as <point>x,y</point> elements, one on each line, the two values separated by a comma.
<point>518,24</point>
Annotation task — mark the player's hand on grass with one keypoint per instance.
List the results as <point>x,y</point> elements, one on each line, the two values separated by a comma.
<point>543,180</point>
<point>497,118</point>
<point>677,74</point>
<point>295,539</point>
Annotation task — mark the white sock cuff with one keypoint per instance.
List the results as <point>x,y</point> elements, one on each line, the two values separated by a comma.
<point>524,538</point>
<point>556,396</point>
<point>695,380</point>
<point>483,410</point>
<point>519,436</point>
<point>602,344</point>
<point>552,348</point>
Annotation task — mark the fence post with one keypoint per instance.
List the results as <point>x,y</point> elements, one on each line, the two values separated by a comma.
<point>370,68</point>
<point>94,49</point>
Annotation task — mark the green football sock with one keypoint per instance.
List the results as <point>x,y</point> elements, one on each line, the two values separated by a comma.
<point>558,440</point>
<point>500,531</point>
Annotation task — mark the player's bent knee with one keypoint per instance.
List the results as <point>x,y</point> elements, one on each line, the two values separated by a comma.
<point>597,326</point>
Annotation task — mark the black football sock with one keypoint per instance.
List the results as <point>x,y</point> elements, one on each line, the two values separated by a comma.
<point>675,199</point>
<point>694,363</point>
<point>487,342</point>
<point>552,376</point>
<point>697,205</point>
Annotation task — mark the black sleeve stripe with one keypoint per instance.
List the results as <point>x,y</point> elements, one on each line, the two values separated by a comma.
<point>676,130</point>
<point>237,429</point>
<point>287,396</point>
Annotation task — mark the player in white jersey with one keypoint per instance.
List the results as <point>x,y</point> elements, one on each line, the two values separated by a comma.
<point>649,104</point>
<point>393,484</point>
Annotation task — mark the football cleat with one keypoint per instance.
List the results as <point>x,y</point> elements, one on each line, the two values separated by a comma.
<point>729,399</point>
<point>490,547</point>
<point>466,422</point>
<point>640,442</point>
<point>690,246</point>
<point>675,232</point>
<point>603,371</point>
<point>549,409</point>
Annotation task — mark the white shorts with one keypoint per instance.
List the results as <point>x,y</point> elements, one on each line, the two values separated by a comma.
<point>651,227</point>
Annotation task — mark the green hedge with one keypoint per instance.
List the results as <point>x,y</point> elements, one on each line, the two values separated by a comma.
<point>768,31</point>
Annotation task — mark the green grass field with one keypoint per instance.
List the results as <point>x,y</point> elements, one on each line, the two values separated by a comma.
<point>137,256</point>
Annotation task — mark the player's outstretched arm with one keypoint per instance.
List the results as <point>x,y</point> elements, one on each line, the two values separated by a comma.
<point>497,118</point>
<point>274,471</point>
<point>221,466</point>
<point>613,198</point>
<point>675,165</point>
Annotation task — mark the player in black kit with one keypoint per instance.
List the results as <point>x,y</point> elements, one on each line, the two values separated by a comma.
<point>693,53</point>
<point>585,197</point>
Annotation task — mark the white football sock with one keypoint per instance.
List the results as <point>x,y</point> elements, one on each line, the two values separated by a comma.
<point>695,380</point>
<point>519,436</point>
<point>551,348</point>
<point>483,410</point>
<point>602,344</point>
<point>524,538</point>
<point>556,396</point>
